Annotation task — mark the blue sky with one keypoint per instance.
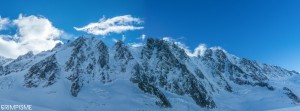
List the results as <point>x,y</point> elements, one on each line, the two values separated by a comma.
<point>264,30</point>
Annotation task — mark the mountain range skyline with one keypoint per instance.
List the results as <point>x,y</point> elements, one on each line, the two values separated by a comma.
<point>87,74</point>
<point>266,31</point>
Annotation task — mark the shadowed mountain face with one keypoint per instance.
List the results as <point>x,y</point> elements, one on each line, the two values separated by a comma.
<point>157,68</point>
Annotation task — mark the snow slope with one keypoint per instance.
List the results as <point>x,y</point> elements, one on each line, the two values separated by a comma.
<point>287,109</point>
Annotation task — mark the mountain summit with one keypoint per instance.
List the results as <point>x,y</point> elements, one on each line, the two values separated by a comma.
<point>86,74</point>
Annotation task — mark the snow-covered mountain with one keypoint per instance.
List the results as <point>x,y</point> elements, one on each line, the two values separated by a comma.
<point>86,74</point>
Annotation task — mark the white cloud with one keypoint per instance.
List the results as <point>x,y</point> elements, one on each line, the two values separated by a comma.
<point>142,37</point>
<point>123,38</point>
<point>117,24</point>
<point>34,33</point>
<point>167,39</point>
<point>4,23</point>
<point>135,45</point>
<point>200,50</point>
<point>115,40</point>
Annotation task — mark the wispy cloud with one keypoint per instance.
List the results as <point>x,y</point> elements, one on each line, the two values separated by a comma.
<point>117,24</point>
<point>142,37</point>
<point>4,22</point>
<point>115,40</point>
<point>123,38</point>
<point>200,50</point>
<point>34,33</point>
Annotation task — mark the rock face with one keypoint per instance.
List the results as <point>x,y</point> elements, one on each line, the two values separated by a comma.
<point>122,55</point>
<point>43,74</point>
<point>89,60</point>
<point>161,68</point>
<point>156,68</point>
<point>291,95</point>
